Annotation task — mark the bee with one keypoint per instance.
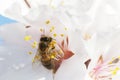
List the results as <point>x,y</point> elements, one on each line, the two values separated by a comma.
<point>45,53</point>
<point>50,53</point>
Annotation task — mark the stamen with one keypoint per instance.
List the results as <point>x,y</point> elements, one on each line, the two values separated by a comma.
<point>34,45</point>
<point>41,30</point>
<point>52,27</point>
<point>30,53</point>
<point>27,3</point>
<point>33,60</point>
<point>51,30</point>
<point>114,60</point>
<point>27,38</point>
<point>65,28</point>
<point>54,35</point>
<point>47,22</point>
<point>114,72</point>
<point>27,26</point>
<point>62,35</point>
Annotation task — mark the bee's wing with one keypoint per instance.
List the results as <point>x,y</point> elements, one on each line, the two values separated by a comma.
<point>57,56</point>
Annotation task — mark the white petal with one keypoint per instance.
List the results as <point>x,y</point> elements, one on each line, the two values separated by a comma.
<point>17,65</point>
<point>74,67</point>
<point>70,69</point>
<point>13,33</point>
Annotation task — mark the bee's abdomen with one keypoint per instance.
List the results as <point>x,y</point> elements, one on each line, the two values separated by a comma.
<point>47,62</point>
<point>48,66</point>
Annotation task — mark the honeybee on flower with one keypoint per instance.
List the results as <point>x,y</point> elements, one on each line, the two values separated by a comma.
<point>49,37</point>
<point>52,45</point>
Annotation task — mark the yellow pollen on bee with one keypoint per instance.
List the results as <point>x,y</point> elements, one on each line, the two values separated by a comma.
<point>34,45</point>
<point>55,35</point>
<point>52,44</point>
<point>53,55</point>
<point>27,38</point>
<point>62,35</point>
<point>47,22</point>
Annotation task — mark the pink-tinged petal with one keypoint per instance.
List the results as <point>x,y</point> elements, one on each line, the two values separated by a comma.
<point>106,66</point>
<point>68,54</point>
<point>57,65</point>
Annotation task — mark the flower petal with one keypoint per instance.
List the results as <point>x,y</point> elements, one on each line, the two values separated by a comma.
<point>16,64</point>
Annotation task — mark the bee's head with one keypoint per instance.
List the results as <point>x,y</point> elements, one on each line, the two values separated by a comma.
<point>46,39</point>
<point>43,46</point>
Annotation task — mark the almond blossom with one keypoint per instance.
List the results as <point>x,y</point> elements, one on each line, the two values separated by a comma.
<point>21,43</point>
